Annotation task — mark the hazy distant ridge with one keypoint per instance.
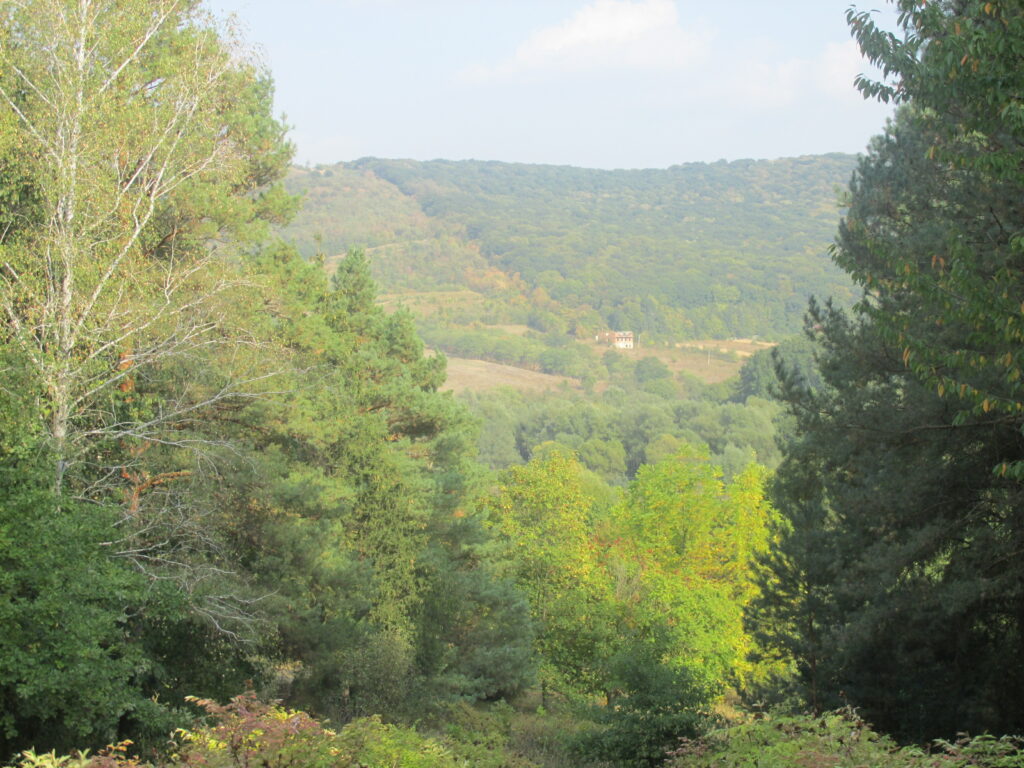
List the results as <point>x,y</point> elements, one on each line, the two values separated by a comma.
<point>701,249</point>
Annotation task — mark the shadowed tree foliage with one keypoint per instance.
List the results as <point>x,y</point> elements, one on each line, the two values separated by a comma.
<point>898,584</point>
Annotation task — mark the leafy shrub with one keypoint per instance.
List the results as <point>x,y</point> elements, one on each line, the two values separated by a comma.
<point>548,738</point>
<point>29,759</point>
<point>836,740</point>
<point>379,745</point>
<point>480,736</point>
<point>985,751</point>
<point>112,756</point>
<point>659,705</point>
<point>247,733</point>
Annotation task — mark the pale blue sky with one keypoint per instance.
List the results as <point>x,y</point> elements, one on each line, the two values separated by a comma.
<point>595,83</point>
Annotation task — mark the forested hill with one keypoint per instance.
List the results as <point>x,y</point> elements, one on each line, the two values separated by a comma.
<point>695,250</point>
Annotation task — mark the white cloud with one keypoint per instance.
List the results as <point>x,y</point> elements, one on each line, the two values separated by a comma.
<point>838,67</point>
<point>759,84</point>
<point>765,83</point>
<point>606,35</point>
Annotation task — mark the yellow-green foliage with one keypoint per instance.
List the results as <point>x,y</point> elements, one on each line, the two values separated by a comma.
<point>112,756</point>
<point>30,759</point>
<point>835,740</point>
<point>545,517</point>
<point>670,565</point>
<point>685,542</point>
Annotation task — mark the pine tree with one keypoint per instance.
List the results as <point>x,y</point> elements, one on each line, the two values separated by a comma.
<point>896,584</point>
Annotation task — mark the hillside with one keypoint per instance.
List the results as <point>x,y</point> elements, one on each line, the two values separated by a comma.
<point>697,250</point>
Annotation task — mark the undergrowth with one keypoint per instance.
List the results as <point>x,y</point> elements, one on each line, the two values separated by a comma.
<point>836,740</point>
<point>247,733</point>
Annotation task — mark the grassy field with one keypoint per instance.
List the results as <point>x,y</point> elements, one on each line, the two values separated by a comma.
<point>711,361</point>
<point>479,375</point>
<point>738,347</point>
<point>514,330</point>
<point>723,362</point>
<point>427,303</point>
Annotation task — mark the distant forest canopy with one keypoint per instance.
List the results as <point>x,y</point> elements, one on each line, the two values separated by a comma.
<point>693,251</point>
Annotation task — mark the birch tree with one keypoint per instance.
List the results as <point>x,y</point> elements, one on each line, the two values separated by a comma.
<point>136,153</point>
<point>119,115</point>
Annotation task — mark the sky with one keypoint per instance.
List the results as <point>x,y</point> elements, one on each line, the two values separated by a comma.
<point>592,83</point>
